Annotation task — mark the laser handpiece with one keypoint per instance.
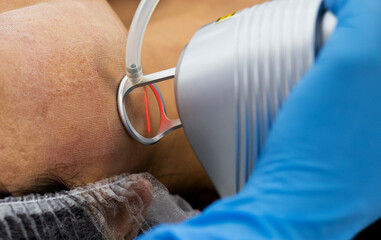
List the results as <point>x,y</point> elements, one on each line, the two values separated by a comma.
<point>231,79</point>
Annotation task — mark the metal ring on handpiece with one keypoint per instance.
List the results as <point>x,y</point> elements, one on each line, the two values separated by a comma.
<point>166,125</point>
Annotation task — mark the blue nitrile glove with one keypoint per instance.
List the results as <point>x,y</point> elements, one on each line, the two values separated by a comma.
<point>320,174</point>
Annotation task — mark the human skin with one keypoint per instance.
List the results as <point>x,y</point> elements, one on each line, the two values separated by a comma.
<point>61,63</point>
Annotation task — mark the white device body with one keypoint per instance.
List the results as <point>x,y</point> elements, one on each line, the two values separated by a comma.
<point>231,80</point>
<point>234,75</point>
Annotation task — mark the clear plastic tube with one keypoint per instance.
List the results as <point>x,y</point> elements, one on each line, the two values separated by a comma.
<point>135,39</point>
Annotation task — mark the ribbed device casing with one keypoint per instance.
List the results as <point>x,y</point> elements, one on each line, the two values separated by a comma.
<point>233,77</point>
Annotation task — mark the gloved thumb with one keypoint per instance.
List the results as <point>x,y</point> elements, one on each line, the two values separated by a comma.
<point>355,42</point>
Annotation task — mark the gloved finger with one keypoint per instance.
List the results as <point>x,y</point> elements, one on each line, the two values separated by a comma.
<point>346,6</point>
<point>118,204</point>
<point>355,43</point>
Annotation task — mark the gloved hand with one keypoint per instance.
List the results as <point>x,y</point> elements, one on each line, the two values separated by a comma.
<point>319,175</point>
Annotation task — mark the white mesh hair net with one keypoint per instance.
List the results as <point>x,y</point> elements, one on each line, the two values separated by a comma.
<point>164,207</point>
<point>115,208</point>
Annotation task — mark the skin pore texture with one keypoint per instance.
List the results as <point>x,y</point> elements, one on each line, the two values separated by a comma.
<point>61,63</point>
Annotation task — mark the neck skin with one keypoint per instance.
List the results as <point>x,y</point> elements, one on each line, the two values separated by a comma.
<point>108,150</point>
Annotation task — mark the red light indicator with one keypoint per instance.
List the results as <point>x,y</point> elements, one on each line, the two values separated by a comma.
<point>161,104</point>
<point>147,112</point>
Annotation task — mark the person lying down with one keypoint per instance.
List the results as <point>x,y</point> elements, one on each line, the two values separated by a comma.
<point>60,66</point>
<point>64,155</point>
